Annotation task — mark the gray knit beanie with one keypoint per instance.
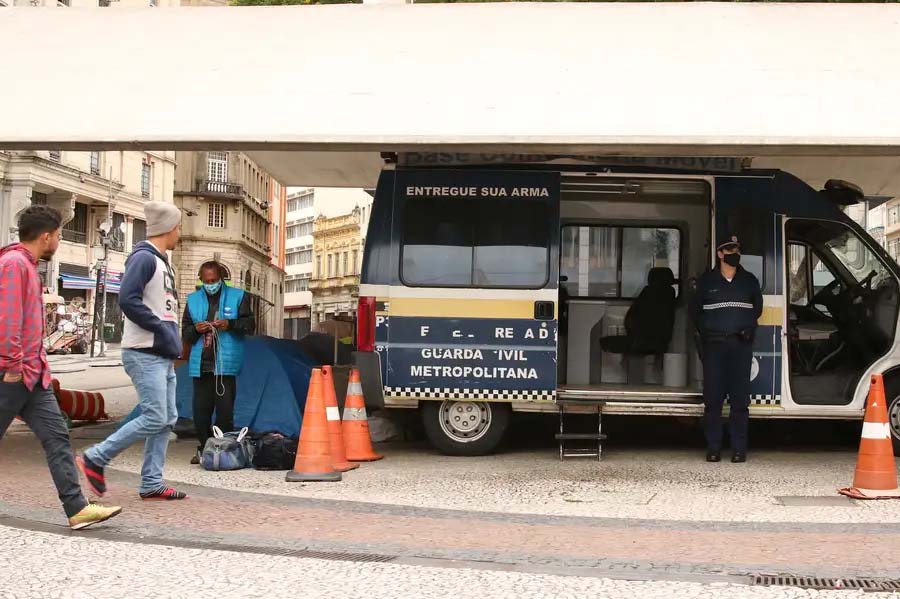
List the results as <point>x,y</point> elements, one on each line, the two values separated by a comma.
<point>162,217</point>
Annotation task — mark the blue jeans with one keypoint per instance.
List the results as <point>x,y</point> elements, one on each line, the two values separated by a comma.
<point>154,380</point>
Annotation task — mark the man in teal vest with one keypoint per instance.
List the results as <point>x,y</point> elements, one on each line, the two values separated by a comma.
<point>216,319</point>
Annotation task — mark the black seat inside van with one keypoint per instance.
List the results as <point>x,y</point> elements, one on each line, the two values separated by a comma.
<point>649,320</point>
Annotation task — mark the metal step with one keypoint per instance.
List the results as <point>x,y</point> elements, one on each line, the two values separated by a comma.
<point>580,436</point>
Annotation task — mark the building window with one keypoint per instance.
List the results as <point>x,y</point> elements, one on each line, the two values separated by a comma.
<point>76,229</point>
<point>330,270</point>
<point>346,263</point>
<point>38,198</point>
<point>216,215</point>
<point>145,180</point>
<point>56,155</point>
<point>318,267</point>
<point>138,231</point>
<point>217,166</point>
<point>116,236</point>
<point>95,163</point>
<point>355,263</point>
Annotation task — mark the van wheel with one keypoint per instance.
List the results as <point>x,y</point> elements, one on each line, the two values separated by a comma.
<point>465,428</point>
<point>894,420</point>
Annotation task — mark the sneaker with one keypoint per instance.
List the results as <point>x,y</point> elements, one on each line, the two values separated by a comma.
<point>163,494</point>
<point>93,514</point>
<point>195,459</point>
<point>93,474</point>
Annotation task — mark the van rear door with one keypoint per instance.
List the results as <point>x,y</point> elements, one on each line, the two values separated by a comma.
<point>474,314</point>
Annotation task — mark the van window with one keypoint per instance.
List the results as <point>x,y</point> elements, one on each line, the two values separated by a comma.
<point>613,262</point>
<point>453,242</point>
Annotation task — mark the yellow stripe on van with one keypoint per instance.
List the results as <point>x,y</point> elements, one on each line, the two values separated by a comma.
<point>772,316</point>
<point>460,308</point>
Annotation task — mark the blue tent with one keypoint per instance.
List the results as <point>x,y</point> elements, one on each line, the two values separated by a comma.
<point>271,389</point>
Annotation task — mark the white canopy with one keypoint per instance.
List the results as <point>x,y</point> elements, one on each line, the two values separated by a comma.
<point>620,78</point>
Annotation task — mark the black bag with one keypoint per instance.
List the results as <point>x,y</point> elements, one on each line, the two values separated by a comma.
<point>274,451</point>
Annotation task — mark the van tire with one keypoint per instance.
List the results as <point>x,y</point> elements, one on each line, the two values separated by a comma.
<point>483,426</point>
<point>892,391</point>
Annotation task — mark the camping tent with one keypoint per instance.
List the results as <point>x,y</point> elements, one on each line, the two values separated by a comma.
<point>271,389</point>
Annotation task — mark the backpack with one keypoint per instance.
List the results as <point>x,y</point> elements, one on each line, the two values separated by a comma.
<point>226,451</point>
<point>274,451</point>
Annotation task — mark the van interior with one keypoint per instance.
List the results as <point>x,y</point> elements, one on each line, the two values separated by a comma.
<point>842,310</point>
<point>628,247</point>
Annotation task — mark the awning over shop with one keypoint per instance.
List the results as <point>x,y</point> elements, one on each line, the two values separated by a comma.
<point>621,78</point>
<point>72,282</point>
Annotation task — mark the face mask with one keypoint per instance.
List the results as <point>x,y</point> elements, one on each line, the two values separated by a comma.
<point>732,259</point>
<point>212,288</point>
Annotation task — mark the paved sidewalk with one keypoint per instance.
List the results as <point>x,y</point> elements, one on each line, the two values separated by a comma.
<point>44,565</point>
<point>609,547</point>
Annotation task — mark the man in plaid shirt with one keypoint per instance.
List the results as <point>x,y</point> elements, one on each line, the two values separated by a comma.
<point>24,373</point>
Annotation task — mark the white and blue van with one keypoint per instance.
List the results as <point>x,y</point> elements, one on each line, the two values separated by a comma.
<point>487,289</point>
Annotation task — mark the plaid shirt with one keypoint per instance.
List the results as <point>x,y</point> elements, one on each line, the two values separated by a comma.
<point>22,317</point>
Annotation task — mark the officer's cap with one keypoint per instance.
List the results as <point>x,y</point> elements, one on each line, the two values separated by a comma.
<point>728,242</point>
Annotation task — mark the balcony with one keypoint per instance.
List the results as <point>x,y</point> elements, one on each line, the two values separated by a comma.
<point>220,189</point>
<point>74,236</point>
<point>335,282</point>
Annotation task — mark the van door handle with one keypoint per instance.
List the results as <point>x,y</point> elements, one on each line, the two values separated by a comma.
<point>544,310</point>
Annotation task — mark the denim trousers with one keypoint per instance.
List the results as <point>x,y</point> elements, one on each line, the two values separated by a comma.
<point>154,381</point>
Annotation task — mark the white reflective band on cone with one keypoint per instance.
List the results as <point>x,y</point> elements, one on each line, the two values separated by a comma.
<point>354,413</point>
<point>332,413</point>
<point>876,430</point>
<point>354,388</point>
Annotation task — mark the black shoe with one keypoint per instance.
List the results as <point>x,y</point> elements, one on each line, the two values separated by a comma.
<point>739,457</point>
<point>195,459</point>
<point>93,474</point>
<point>713,455</point>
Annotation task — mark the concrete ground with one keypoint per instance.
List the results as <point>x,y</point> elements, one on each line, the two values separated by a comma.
<point>651,520</point>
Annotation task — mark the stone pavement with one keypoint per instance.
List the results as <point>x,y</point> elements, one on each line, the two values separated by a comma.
<point>45,565</point>
<point>636,549</point>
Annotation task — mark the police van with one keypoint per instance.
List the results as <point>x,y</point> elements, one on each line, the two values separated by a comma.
<point>487,289</point>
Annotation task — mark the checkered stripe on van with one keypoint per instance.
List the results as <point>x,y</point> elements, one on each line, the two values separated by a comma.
<point>470,394</point>
<point>765,400</point>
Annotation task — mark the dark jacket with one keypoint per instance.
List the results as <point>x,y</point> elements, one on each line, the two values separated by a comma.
<point>721,308</point>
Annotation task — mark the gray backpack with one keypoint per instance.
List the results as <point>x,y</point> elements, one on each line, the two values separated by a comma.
<point>226,451</point>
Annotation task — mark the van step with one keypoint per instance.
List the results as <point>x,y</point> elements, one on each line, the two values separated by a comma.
<point>580,437</point>
<point>586,444</point>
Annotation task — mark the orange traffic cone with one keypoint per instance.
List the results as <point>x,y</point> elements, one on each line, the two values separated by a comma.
<point>313,462</point>
<point>335,432</point>
<point>356,423</point>
<point>876,472</point>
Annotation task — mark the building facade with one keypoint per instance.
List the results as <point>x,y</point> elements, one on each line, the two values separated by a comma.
<point>88,188</point>
<point>337,255</point>
<point>233,215</point>
<point>301,213</point>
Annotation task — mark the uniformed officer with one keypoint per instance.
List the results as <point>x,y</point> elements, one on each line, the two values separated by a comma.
<point>725,308</point>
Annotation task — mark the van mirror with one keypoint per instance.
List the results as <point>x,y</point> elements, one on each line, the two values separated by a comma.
<point>842,193</point>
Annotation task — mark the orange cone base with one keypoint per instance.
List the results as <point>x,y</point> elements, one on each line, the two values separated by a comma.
<point>310,477</point>
<point>857,493</point>
<point>345,467</point>
<point>374,457</point>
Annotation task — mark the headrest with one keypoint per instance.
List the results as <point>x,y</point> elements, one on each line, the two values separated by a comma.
<point>660,277</point>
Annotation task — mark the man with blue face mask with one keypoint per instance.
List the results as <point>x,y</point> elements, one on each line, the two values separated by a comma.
<point>216,319</point>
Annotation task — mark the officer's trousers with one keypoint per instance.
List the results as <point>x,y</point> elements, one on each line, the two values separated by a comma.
<point>726,372</point>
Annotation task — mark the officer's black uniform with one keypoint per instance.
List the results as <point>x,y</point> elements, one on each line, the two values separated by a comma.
<point>726,314</point>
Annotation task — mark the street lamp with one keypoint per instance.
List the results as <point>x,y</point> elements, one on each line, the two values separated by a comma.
<point>107,237</point>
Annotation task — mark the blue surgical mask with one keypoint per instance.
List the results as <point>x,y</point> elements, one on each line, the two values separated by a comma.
<point>212,288</point>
